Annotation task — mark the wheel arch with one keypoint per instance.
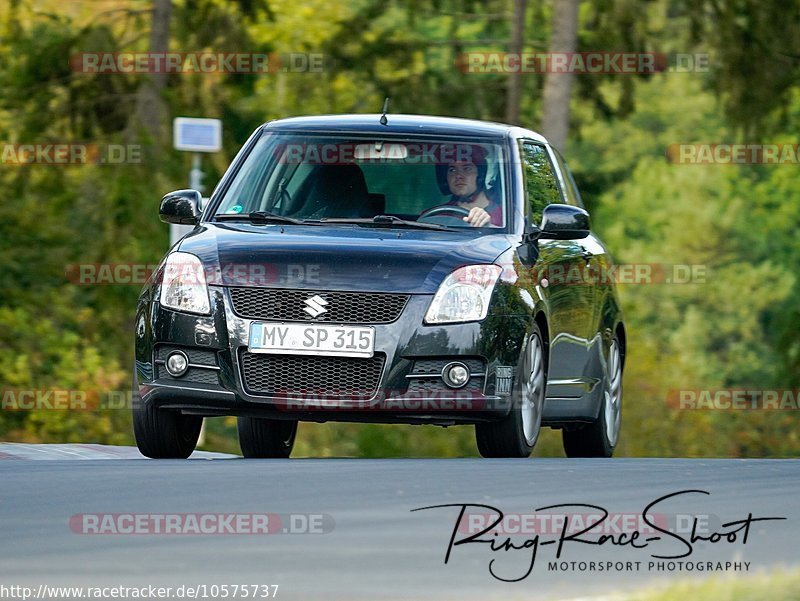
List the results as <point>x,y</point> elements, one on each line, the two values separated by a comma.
<point>540,319</point>
<point>619,330</point>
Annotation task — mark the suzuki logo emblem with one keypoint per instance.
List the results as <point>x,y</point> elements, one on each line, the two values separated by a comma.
<point>315,306</point>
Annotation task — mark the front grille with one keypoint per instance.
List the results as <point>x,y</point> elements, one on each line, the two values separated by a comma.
<point>312,376</point>
<point>342,307</point>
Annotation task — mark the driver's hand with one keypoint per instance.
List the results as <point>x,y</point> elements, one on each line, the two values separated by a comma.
<point>478,217</point>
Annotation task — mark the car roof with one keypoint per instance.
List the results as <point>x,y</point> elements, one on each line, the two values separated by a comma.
<point>400,124</point>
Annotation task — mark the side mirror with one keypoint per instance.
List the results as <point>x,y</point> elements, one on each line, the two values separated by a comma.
<point>181,206</point>
<point>564,222</point>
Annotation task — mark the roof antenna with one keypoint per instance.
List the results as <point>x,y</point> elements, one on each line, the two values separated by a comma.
<point>384,120</point>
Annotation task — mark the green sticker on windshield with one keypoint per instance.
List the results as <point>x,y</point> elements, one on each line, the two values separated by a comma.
<point>234,210</point>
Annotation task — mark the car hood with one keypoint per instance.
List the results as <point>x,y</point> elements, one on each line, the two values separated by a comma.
<point>341,257</point>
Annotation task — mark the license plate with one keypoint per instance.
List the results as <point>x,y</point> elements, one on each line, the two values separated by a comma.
<point>307,339</point>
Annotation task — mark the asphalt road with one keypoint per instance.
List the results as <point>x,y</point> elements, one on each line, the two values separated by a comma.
<point>373,545</point>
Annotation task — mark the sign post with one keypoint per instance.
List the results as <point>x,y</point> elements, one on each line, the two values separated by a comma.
<point>196,135</point>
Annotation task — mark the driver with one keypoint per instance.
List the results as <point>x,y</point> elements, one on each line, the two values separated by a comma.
<point>465,177</point>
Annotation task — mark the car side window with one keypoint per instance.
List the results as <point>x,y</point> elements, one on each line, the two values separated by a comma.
<point>541,186</point>
<point>571,190</point>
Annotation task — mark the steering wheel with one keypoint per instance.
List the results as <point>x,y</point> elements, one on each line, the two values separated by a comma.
<point>453,209</point>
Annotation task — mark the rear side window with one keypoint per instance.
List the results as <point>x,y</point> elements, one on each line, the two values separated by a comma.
<point>541,186</point>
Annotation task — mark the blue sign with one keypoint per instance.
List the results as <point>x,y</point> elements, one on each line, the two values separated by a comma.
<point>197,135</point>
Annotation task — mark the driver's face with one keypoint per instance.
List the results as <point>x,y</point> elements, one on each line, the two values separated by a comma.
<point>462,177</point>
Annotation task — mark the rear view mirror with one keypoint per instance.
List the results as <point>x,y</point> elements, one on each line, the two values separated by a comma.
<point>564,222</point>
<point>182,207</point>
<point>381,151</point>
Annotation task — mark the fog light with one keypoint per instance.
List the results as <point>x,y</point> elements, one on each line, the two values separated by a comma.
<point>455,375</point>
<point>177,364</point>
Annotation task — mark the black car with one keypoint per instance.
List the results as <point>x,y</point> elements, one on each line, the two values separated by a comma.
<point>392,269</point>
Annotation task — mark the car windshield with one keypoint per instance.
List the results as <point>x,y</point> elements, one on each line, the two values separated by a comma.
<point>380,181</point>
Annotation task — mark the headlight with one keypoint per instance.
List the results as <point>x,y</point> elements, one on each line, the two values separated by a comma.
<point>183,286</point>
<point>464,295</point>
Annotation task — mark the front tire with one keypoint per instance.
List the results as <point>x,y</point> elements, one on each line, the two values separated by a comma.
<point>162,433</point>
<point>266,438</point>
<point>517,433</point>
<point>599,439</point>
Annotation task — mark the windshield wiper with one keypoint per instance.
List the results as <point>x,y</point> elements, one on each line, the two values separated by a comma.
<point>263,217</point>
<point>259,217</point>
<point>387,221</point>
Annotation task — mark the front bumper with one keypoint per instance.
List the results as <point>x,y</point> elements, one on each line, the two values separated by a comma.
<point>404,393</point>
